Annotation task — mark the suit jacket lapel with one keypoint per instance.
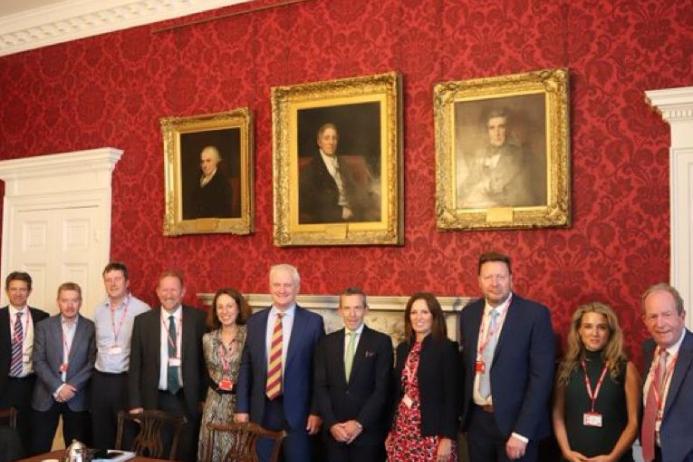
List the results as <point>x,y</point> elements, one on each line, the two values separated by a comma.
<point>683,364</point>
<point>5,333</point>
<point>511,316</point>
<point>80,331</point>
<point>154,333</point>
<point>185,335</point>
<point>296,333</point>
<point>475,326</point>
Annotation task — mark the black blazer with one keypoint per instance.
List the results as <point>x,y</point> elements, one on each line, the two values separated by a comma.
<point>145,360</point>
<point>365,397</point>
<point>439,385</point>
<point>6,341</point>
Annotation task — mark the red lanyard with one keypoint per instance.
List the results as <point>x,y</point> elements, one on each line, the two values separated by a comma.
<point>27,315</point>
<point>116,332</point>
<point>668,371</point>
<point>590,393</point>
<point>223,353</point>
<point>171,341</point>
<point>67,348</point>
<point>486,327</point>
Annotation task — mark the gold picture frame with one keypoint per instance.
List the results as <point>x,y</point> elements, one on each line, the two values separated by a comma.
<point>208,173</point>
<point>502,151</point>
<point>346,190</point>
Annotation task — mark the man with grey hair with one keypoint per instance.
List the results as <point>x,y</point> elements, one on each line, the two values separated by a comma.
<point>211,197</point>
<point>275,387</point>
<point>668,390</point>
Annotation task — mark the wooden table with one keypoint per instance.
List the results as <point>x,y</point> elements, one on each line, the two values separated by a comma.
<point>60,453</point>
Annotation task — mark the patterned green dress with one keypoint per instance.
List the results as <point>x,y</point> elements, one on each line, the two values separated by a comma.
<point>222,363</point>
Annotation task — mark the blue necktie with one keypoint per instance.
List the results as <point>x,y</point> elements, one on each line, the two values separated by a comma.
<point>487,354</point>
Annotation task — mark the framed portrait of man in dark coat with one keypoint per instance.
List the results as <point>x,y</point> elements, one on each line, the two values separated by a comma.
<point>208,173</point>
<point>337,162</point>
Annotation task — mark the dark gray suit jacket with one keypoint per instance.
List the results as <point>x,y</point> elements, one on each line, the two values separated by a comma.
<point>48,356</point>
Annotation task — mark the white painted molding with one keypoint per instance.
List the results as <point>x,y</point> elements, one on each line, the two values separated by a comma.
<point>676,107</point>
<point>76,19</point>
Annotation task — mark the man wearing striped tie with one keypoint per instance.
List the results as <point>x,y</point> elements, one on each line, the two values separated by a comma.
<point>275,380</point>
<point>17,321</point>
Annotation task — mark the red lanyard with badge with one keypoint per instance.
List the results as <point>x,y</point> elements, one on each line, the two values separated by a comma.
<point>115,349</point>
<point>480,365</point>
<point>593,418</point>
<point>66,348</point>
<point>173,342</point>
<point>660,395</point>
<point>226,383</point>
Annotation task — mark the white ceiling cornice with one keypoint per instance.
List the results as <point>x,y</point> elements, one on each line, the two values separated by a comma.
<point>75,19</point>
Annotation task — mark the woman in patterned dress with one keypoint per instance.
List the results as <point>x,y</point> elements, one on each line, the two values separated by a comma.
<point>222,349</point>
<point>426,372</point>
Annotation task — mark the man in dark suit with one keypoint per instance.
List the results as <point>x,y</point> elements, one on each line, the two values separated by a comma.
<point>275,386</point>
<point>17,378</point>
<point>508,360</point>
<point>167,369</point>
<point>64,354</point>
<point>668,390</point>
<point>330,190</point>
<point>352,372</point>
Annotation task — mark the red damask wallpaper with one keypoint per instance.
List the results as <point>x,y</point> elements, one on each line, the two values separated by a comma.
<point>112,90</point>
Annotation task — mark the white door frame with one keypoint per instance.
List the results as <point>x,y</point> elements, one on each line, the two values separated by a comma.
<point>65,180</point>
<point>676,108</point>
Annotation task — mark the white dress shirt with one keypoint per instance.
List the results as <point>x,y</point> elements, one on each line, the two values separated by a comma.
<point>163,368</point>
<point>113,354</point>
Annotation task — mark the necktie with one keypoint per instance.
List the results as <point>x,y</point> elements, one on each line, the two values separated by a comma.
<point>273,388</point>
<point>647,437</point>
<point>349,356</point>
<point>487,354</point>
<point>17,342</point>
<point>172,382</point>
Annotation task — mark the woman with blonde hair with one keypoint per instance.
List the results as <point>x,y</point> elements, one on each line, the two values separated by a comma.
<point>597,395</point>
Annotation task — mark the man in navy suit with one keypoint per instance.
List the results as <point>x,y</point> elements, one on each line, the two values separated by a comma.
<point>352,378</point>
<point>508,359</point>
<point>17,378</point>
<point>668,390</point>
<point>64,354</point>
<point>275,379</point>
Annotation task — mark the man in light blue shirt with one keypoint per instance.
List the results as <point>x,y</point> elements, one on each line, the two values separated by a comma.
<point>114,319</point>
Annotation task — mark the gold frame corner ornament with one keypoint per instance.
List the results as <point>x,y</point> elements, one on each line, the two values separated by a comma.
<point>383,90</point>
<point>553,84</point>
<point>172,128</point>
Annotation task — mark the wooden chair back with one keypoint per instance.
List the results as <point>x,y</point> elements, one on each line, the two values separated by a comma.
<point>244,437</point>
<point>8,416</point>
<point>150,438</point>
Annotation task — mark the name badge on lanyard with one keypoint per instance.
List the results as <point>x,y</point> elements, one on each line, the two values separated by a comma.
<point>593,418</point>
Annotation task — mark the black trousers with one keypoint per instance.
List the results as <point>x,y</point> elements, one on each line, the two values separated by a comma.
<point>341,452</point>
<point>187,444</point>
<point>486,442</point>
<point>109,396</point>
<point>44,423</point>
<point>18,395</point>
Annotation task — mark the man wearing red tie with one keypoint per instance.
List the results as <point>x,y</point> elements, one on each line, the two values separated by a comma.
<point>276,374</point>
<point>668,392</point>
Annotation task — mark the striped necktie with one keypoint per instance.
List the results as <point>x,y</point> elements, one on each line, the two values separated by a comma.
<point>273,388</point>
<point>17,342</point>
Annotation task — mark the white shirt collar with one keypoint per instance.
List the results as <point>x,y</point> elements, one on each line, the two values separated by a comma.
<point>14,310</point>
<point>501,308</point>
<point>177,313</point>
<point>673,350</point>
<point>358,331</point>
<point>287,312</point>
